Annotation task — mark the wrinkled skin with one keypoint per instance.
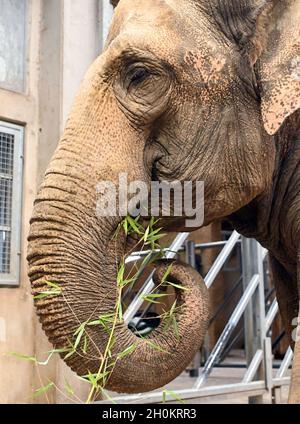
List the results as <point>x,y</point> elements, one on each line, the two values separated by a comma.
<point>185,90</point>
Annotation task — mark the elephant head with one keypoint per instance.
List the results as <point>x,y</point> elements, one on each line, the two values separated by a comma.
<point>186,90</point>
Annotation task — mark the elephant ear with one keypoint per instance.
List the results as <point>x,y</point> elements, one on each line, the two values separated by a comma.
<point>280,66</point>
<point>268,33</point>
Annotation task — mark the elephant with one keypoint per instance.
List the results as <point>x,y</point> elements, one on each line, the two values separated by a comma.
<point>187,90</point>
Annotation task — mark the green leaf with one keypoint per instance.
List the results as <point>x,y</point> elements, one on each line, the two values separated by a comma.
<point>120,311</point>
<point>69,388</point>
<point>172,394</point>
<point>173,307</point>
<point>43,390</point>
<point>135,226</point>
<point>177,286</point>
<point>55,290</point>
<point>111,342</point>
<point>167,273</point>
<point>79,335</point>
<point>47,293</point>
<point>55,286</point>
<point>44,363</point>
<point>63,350</point>
<point>120,275</point>
<point>151,298</point>
<point>125,226</point>
<point>104,321</point>
<point>126,352</point>
<point>85,345</point>
<point>145,237</point>
<point>94,379</point>
<point>154,346</point>
<point>153,222</point>
<point>69,354</point>
<point>21,356</point>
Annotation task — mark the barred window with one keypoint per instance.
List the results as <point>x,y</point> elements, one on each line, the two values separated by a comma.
<point>11,154</point>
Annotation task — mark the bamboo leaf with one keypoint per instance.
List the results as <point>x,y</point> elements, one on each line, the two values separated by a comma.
<point>120,275</point>
<point>172,394</point>
<point>70,354</point>
<point>24,357</point>
<point>177,286</point>
<point>134,224</point>
<point>69,388</point>
<point>54,285</point>
<point>152,298</point>
<point>126,352</point>
<point>85,345</point>
<point>156,347</point>
<point>120,312</point>
<point>79,336</point>
<point>47,293</point>
<point>167,273</point>
<point>43,390</point>
<point>145,238</point>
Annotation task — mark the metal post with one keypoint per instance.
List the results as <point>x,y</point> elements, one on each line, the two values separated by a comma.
<point>255,320</point>
<point>191,260</point>
<point>230,326</point>
<point>190,253</point>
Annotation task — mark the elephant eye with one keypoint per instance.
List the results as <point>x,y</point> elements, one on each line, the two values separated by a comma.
<point>139,75</point>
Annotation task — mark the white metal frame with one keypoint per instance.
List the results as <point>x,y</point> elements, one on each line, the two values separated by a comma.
<point>12,279</point>
<point>258,378</point>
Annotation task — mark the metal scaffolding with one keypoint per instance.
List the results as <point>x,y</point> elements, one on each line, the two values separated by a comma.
<point>260,377</point>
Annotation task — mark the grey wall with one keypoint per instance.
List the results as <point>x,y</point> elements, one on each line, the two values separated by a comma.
<point>12,44</point>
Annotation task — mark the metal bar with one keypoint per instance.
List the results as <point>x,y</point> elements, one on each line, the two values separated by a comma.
<point>253,367</point>
<point>149,283</point>
<point>230,326</point>
<point>268,365</point>
<point>190,253</point>
<point>221,259</point>
<point>247,272</point>
<point>226,300</point>
<point>272,312</point>
<point>283,381</point>
<point>286,362</point>
<point>212,245</point>
<point>256,387</point>
<point>136,256</point>
<point>259,318</point>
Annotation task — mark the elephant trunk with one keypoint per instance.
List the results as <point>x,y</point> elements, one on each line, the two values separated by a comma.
<point>72,254</point>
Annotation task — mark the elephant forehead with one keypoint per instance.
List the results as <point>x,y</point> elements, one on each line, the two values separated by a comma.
<point>140,13</point>
<point>172,32</point>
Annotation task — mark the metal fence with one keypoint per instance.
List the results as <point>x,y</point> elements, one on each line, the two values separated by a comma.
<point>260,376</point>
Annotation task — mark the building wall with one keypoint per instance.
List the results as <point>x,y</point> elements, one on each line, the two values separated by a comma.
<point>63,38</point>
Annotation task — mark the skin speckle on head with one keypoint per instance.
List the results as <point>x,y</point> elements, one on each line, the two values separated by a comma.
<point>209,67</point>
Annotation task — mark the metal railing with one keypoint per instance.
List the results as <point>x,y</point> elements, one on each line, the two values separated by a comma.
<point>259,378</point>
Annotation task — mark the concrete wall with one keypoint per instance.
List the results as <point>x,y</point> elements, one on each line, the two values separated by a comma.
<point>64,36</point>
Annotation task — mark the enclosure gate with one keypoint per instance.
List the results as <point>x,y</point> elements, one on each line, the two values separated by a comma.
<point>259,378</point>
